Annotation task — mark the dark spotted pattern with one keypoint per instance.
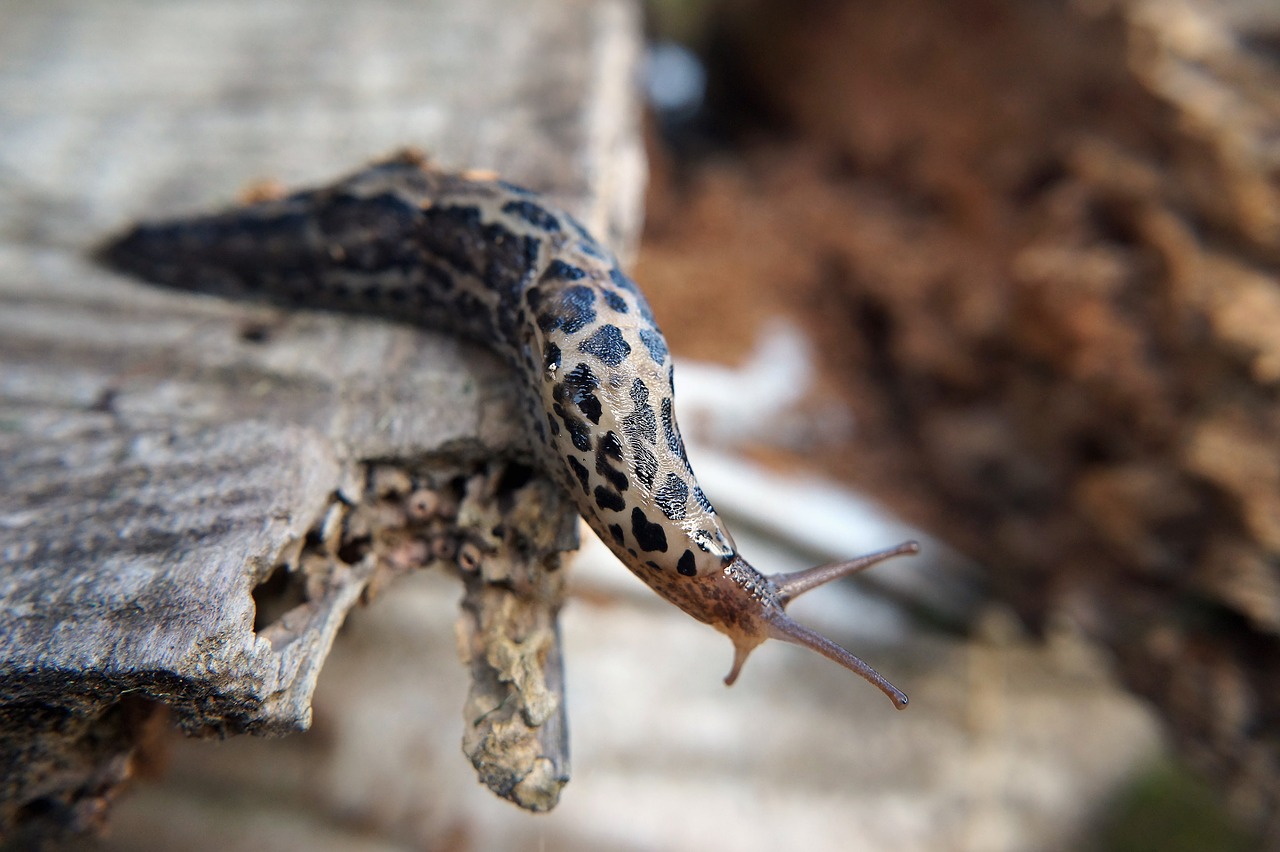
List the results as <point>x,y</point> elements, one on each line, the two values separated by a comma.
<point>672,496</point>
<point>641,423</point>
<point>577,389</point>
<point>574,311</point>
<point>559,270</point>
<point>618,304</point>
<point>608,449</point>
<point>610,500</point>
<point>645,464</point>
<point>650,536</point>
<point>493,263</point>
<point>656,344</point>
<point>612,475</point>
<point>621,281</point>
<point>612,447</point>
<point>536,216</point>
<point>607,344</point>
<point>674,442</point>
<point>580,471</point>
<point>701,499</point>
<point>579,432</point>
<point>551,358</point>
<point>593,250</point>
<point>496,264</point>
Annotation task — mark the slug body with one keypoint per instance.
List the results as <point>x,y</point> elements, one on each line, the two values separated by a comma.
<point>495,264</point>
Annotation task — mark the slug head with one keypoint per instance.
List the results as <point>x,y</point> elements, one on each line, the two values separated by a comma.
<point>750,607</point>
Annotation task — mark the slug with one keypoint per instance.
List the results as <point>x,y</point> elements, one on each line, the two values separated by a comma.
<point>496,264</point>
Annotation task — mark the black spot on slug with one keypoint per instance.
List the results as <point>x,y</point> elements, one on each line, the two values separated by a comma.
<point>701,538</point>
<point>590,406</point>
<point>645,464</point>
<point>621,281</point>
<point>580,471</point>
<point>619,536</point>
<point>617,303</point>
<point>590,249</point>
<point>606,343</point>
<point>671,497</point>
<point>577,387</point>
<point>572,312</point>
<point>579,432</point>
<point>581,438</point>
<point>616,478</point>
<point>587,245</point>
<point>655,343</point>
<point>604,449</point>
<point>533,214</point>
<point>611,446</point>
<point>580,228</point>
<point>551,357</point>
<point>650,536</point>
<point>553,424</point>
<point>581,380</point>
<point>515,189</point>
<point>639,392</point>
<point>686,566</point>
<point>641,422</point>
<point>559,270</point>
<point>607,499</point>
<point>701,500</point>
<point>674,441</point>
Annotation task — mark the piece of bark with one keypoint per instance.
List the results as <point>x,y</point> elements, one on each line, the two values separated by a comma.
<point>189,507</point>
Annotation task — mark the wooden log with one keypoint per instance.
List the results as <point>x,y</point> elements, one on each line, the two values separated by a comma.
<point>189,500</point>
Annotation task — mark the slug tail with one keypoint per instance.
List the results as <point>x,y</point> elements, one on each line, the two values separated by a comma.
<point>782,627</point>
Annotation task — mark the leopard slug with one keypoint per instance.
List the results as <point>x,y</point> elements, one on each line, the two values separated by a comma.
<point>496,264</point>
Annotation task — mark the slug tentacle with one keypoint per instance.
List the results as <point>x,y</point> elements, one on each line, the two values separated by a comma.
<point>782,627</point>
<point>792,586</point>
<point>765,616</point>
<point>498,265</point>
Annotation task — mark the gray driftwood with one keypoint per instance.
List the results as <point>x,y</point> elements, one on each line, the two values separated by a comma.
<point>194,493</point>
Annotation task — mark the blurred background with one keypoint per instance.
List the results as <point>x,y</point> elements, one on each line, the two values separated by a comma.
<point>1000,275</point>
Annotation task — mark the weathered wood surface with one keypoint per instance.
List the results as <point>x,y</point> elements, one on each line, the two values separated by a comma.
<point>163,454</point>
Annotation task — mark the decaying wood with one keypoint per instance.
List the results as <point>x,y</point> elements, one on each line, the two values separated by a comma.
<point>193,493</point>
<point>1054,230</point>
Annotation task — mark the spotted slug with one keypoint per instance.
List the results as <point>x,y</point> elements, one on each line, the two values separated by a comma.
<point>496,264</point>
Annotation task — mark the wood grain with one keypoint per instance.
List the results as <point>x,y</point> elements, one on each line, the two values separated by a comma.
<point>165,454</point>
